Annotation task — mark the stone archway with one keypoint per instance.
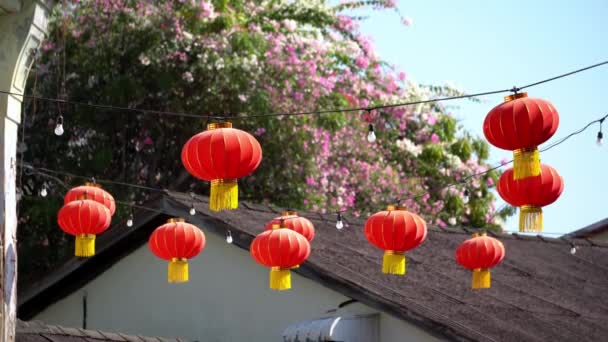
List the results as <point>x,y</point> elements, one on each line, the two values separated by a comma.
<point>23,24</point>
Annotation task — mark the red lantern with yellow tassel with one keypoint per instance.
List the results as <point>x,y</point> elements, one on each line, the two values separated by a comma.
<point>395,230</point>
<point>479,254</point>
<point>85,219</point>
<point>280,249</point>
<point>221,155</point>
<point>290,220</point>
<point>520,124</point>
<point>94,192</point>
<point>530,195</point>
<point>177,241</point>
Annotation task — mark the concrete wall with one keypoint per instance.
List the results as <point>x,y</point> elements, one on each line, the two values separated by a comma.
<point>227,299</point>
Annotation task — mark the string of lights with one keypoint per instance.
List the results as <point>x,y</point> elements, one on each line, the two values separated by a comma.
<point>303,113</point>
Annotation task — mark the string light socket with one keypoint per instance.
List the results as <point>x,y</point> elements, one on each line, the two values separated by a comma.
<point>229,238</point>
<point>466,196</point>
<point>339,222</point>
<point>573,250</point>
<point>130,221</point>
<point>371,134</point>
<point>43,191</point>
<point>59,126</point>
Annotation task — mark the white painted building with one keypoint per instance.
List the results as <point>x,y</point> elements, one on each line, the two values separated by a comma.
<point>339,294</point>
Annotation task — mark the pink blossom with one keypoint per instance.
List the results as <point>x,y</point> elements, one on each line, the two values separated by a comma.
<point>407,21</point>
<point>490,181</point>
<point>148,141</point>
<point>260,131</point>
<point>432,120</point>
<point>402,76</point>
<point>434,138</point>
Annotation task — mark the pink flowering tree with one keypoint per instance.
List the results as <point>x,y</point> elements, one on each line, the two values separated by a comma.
<point>240,59</point>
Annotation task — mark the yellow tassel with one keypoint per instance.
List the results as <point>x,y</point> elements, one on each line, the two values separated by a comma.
<point>481,278</point>
<point>393,263</point>
<point>295,267</point>
<point>85,245</point>
<point>224,194</point>
<point>530,219</point>
<point>526,163</point>
<point>280,279</point>
<point>178,270</point>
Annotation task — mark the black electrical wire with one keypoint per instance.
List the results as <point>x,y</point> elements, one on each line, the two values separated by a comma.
<point>318,112</point>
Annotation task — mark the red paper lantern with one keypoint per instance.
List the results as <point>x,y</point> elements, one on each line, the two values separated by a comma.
<point>291,220</point>
<point>94,192</point>
<point>280,249</point>
<point>221,155</point>
<point>530,195</point>
<point>396,231</point>
<point>84,219</point>
<point>520,124</point>
<point>479,254</point>
<point>177,241</point>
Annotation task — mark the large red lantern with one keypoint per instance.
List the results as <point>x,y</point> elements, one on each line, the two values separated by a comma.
<point>177,241</point>
<point>84,219</point>
<point>396,231</point>
<point>94,192</point>
<point>530,195</point>
<point>221,155</point>
<point>520,124</point>
<point>479,254</point>
<point>291,220</point>
<point>280,249</point>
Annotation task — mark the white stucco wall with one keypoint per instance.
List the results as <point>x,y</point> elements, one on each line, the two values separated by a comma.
<point>227,299</point>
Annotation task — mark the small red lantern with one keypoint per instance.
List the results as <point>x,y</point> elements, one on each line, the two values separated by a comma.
<point>93,192</point>
<point>177,241</point>
<point>221,155</point>
<point>530,195</point>
<point>84,219</point>
<point>291,220</point>
<point>396,231</point>
<point>520,124</point>
<point>479,254</point>
<point>280,249</point>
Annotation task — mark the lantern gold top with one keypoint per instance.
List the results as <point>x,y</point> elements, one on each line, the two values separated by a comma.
<point>395,207</point>
<point>92,184</point>
<point>289,213</point>
<point>275,226</point>
<point>175,219</point>
<point>515,96</point>
<point>216,125</point>
<point>475,235</point>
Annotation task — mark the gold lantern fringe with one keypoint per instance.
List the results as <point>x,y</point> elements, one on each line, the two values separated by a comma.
<point>481,278</point>
<point>224,194</point>
<point>85,245</point>
<point>530,219</point>
<point>393,263</point>
<point>280,279</point>
<point>526,163</point>
<point>178,270</point>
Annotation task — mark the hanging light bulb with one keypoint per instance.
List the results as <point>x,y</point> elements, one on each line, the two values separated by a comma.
<point>600,138</point>
<point>192,210</point>
<point>371,135</point>
<point>59,126</point>
<point>339,223</point>
<point>465,196</point>
<point>130,221</point>
<point>43,191</point>
<point>573,250</point>
<point>229,237</point>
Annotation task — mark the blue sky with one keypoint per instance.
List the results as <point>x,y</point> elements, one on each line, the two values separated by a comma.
<point>489,45</point>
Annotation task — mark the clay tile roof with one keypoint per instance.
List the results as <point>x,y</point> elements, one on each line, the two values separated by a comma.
<point>36,331</point>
